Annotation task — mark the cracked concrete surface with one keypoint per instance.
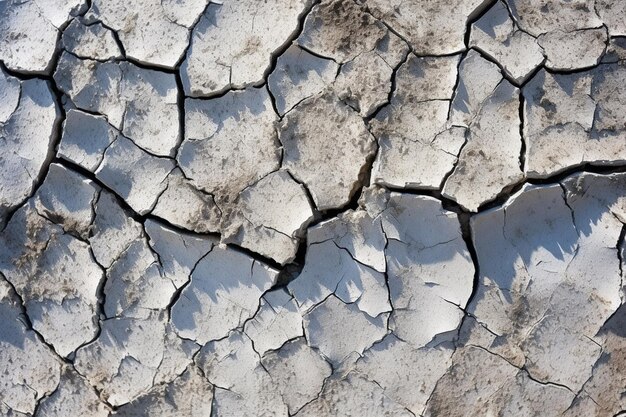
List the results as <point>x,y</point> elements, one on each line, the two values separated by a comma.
<point>296,208</point>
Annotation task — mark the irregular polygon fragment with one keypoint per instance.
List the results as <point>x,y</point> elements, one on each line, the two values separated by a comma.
<point>417,148</point>
<point>490,161</point>
<point>113,230</point>
<point>574,119</point>
<point>605,389</point>
<point>233,43</point>
<point>152,31</point>
<point>178,253</point>
<point>29,31</point>
<point>340,30</point>
<point>29,371</point>
<point>570,32</point>
<point>353,395</point>
<point>298,373</point>
<point>482,383</point>
<point>330,158</point>
<point>339,261</point>
<point>277,321</point>
<point>225,289</point>
<point>568,51</point>
<point>338,329</point>
<point>230,142</point>
<point>27,132</point>
<point>56,276</point>
<point>407,375</point>
<point>613,14</point>
<point>430,271</point>
<point>85,139</point>
<point>478,78</point>
<point>90,41</point>
<point>135,285</point>
<point>432,27</point>
<point>67,199</point>
<point>243,386</point>
<point>183,205</point>
<point>536,256</point>
<point>497,35</point>
<point>365,82</point>
<point>10,90</point>
<point>269,217</point>
<point>141,103</point>
<point>189,395</point>
<point>541,16</point>
<point>299,75</point>
<point>123,363</point>
<point>359,232</point>
<point>73,396</point>
<point>135,175</point>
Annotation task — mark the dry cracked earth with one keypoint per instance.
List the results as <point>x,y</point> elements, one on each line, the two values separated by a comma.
<point>312,208</point>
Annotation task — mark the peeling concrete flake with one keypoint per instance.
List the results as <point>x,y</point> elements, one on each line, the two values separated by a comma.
<point>312,208</point>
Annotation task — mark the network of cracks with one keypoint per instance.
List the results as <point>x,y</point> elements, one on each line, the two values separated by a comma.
<point>312,208</point>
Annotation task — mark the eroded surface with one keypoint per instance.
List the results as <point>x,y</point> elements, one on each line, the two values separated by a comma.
<point>312,208</point>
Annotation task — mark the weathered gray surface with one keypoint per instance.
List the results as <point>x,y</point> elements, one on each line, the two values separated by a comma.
<point>312,208</point>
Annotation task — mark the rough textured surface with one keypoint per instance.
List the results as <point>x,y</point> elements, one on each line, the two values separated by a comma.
<point>312,208</point>
<point>234,41</point>
<point>332,173</point>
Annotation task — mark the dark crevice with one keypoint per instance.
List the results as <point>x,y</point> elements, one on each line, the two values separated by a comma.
<point>392,90</point>
<point>28,324</point>
<point>522,155</point>
<point>57,133</point>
